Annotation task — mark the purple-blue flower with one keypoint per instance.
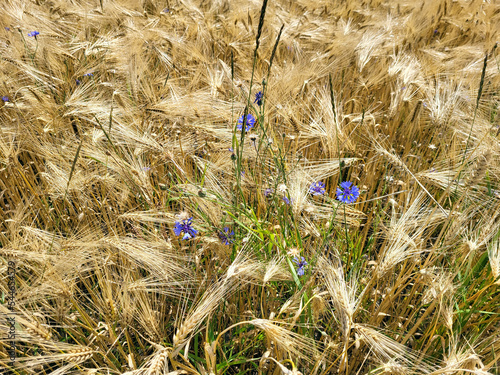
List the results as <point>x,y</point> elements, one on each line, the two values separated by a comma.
<point>88,75</point>
<point>185,227</point>
<point>286,200</point>
<point>317,188</point>
<point>347,193</point>
<point>268,192</point>
<point>300,265</point>
<point>258,98</point>
<point>250,122</point>
<point>5,98</point>
<point>78,82</point>
<point>33,33</point>
<point>226,237</point>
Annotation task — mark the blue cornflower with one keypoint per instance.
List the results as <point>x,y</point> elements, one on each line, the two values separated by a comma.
<point>88,75</point>
<point>33,33</point>
<point>258,98</point>
<point>5,98</point>
<point>186,228</point>
<point>317,188</point>
<point>347,193</point>
<point>226,237</point>
<point>268,192</point>
<point>250,122</point>
<point>78,82</point>
<point>286,200</point>
<point>300,265</point>
<point>7,28</point>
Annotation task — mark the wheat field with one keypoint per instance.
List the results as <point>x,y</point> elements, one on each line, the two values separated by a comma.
<point>249,187</point>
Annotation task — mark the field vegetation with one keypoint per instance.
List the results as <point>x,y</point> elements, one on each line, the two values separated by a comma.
<point>250,187</point>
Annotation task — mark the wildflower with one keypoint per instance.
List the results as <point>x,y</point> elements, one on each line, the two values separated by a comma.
<point>347,193</point>
<point>88,75</point>
<point>300,265</point>
<point>258,98</point>
<point>317,188</point>
<point>146,169</point>
<point>7,28</point>
<point>226,237</point>
<point>33,33</point>
<point>250,122</point>
<point>268,192</point>
<point>186,228</point>
<point>78,82</point>
<point>286,200</point>
<point>293,252</point>
<point>5,98</point>
<point>282,188</point>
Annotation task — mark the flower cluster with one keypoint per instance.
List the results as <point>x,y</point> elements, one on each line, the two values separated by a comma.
<point>250,122</point>
<point>226,237</point>
<point>33,33</point>
<point>347,193</point>
<point>185,227</point>
<point>5,98</point>
<point>300,265</point>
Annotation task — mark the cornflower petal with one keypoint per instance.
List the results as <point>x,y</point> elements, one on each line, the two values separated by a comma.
<point>186,228</point>
<point>258,98</point>
<point>250,122</point>
<point>347,193</point>
<point>317,188</point>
